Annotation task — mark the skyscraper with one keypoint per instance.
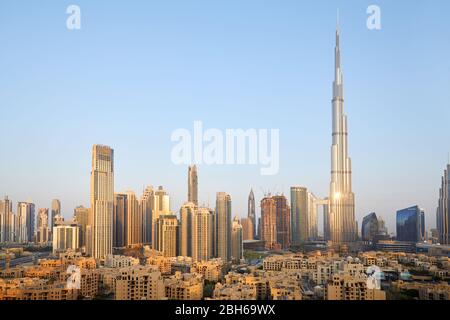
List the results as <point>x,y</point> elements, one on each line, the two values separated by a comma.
<point>66,236</point>
<point>147,203</point>
<point>202,234</point>
<point>342,200</point>
<point>237,249</point>
<point>120,228</point>
<point>56,211</point>
<point>326,219</point>
<point>81,216</point>
<point>26,220</point>
<point>223,225</point>
<point>268,223</point>
<point>252,211</point>
<point>42,231</point>
<point>299,215</point>
<point>247,229</point>
<point>369,227</point>
<point>187,213</point>
<point>102,200</point>
<point>283,221</point>
<point>443,209</point>
<point>313,229</point>
<point>193,185</point>
<point>167,236</point>
<point>409,224</point>
<point>6,221</point>
<point>133,220</point>
<point>161,207</point>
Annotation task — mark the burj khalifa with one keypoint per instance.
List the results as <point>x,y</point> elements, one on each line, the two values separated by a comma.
<point>341,210</point>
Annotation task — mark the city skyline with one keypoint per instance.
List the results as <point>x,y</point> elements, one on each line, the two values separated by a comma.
<point>220,167</point>
<point>135,168</point>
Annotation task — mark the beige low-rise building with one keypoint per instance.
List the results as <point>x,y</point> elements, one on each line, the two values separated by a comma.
<point>35,289</point>
<point>164,264</point>
<point>117,261</point>
<point>210,270</point>
<point>187,286</point>
<point>139,283</point>
<point>348,287</point>
<point>236,291</point>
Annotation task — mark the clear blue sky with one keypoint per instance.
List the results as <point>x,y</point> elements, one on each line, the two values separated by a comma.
<point>137,70</point>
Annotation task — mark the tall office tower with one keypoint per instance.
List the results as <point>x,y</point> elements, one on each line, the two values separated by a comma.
<point>120,218</point>
<point>6,221</point>
<point>161,207</point>
<point>102,200</point>
<point>42,231</point>
<point>56,211</point>
<point>81,216</point>
<point>369,227</point>
<point>299,215</point>
<point>26,218</point>
<point>66,236</point>
<point>146,206</point>
<point>342,200</point>
<point>133,221</point>
<point>202,234</point>
<point>193,185</point>
<point>237,246</point>
<point>443,209</point>
<point>167,235</point>
<point>247,229</point>
<point>283,217</point>
<point>269,223</point>
<point>409,224</point>
<point>223,226</point>
<point>252,211</point>
<point>187,212</point>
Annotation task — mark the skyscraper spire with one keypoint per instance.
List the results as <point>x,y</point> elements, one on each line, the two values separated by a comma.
<point>337,20</point>
<point>342,204</point>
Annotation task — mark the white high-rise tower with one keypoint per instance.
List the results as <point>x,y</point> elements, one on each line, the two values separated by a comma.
<point>102,201</point>
<point>342,200</point>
